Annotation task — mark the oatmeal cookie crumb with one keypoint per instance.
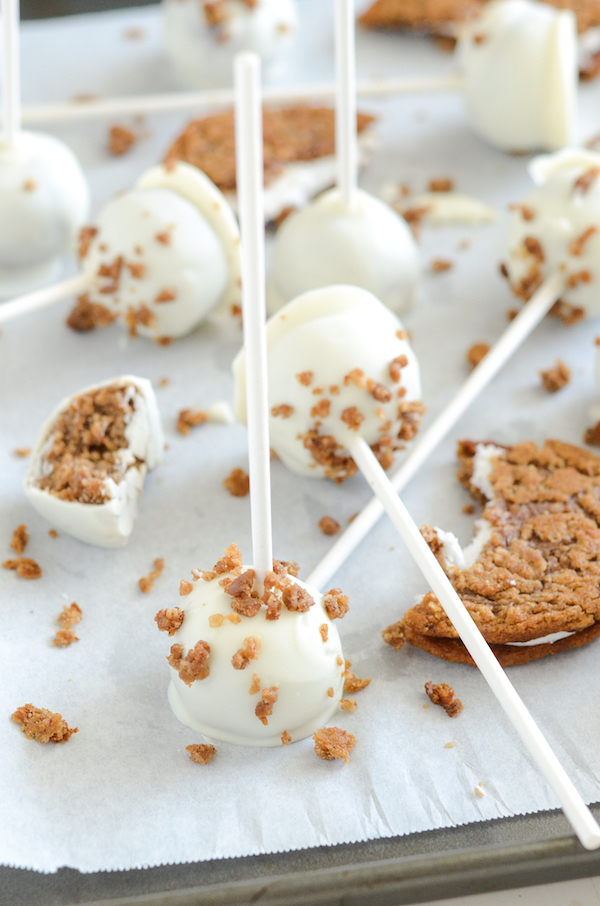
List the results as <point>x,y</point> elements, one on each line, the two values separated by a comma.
<point>170,619</point>
<point>332,743</point>
<point>42,725</point>
<point>285,738</point>
<point>190,418</point>
<point>25,567</point>
<point>556,378</point>
<point>200,753</point>
<point>354,683</point>
<point>146,582</point>
<point>19,539</point>
<point>443,695</point>
<point>329,525</point>
<point>347,704</point>
<point>238,483</point>
<point>476,353</point>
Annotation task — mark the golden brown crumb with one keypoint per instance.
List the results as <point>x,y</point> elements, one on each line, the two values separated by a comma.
<point>354,683</point>
<point>324,630</point>
<point>578,277</point>
<point>592,435</point>
<point>190,418</point>
<point>476,354</point>
<point>22,452</point>
<point>556,378</point>
<point>335,603</point>
<point>164,238</point>
<point>53,533</point>
<point>443,695</point>
<point>134,33</point>
<point>321,410</point>
<point>65,637</point>
<point>170,619</point>
<point>185,588</point>
<point>441,185</point>
<point>194,666</point>
<point>468,509</point>
<point>19,539</point>
<point>285,738</point>
<point>328,525</point>
<point>42,725</point>
<point>586,180</point>
<point>526,213</point>
<point>249,652</point>
<point>352,417</point>
<point>332,742</point>
<point>86,315</point>
<point>348,704</point>
<point>120,140</point>
<point>166,295</point>
<point>26,568</point>
<point>86,234</point>
<point>164,382</point>
<point>215,620</point>
<point>304,378</point>
<point>201,753</point>
<point>70,616</point>
<point>282,411</point>
<point>449,745</point>
<point>576,246</point>
<point>439,265</point>
<point>330,692</point>
<point>255,685</point>
<point>146,582</point>
<point>238,483</point>
<point>264,708</point>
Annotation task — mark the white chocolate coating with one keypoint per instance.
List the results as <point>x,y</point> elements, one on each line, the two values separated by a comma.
<point>329,333</point>
<point>178,243</point>
<point>203,55</point>
<point>44,200</point>
<point>565,223</point>
<point>293,657</point>
<point>108,524</point>
<point>369,246</point>
<point>519,59</point>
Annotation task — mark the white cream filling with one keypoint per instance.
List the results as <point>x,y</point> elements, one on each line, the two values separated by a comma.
<point>544,640</point>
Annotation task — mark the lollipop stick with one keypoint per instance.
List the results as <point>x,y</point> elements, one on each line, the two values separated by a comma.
<point>577,812</point>
<point>249,169</point>
<point>11,78</point>
<point>517,331</point>
<point>40,298</point>
<point>346,148</point>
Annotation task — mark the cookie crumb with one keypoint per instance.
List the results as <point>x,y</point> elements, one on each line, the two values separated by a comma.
<point>332,743</point>
<point>42,725</point>
<point>264,708</point>
<point>146,582</point>
<point>190,418</point>
<point>443,695</point>
<point>120,140</point>
<point>255,685</point>
<point>468,509</point>
<point>238,483</point>
<point>53,533</point>
<point>170,619</point>
<point>328,525</point>
<point>26,568</point>
<point>556,378</point>
<point>19,539</point>
<point>354,683</point>
<point>22,452</point>
<point>592,435</point>
<point>449,745</point>
<point>476,353</point>
<point>185,588</point>
<point>201,754</point>
<point>441,185</point>
<point>194,666</point>
<point>285,738</point>
<point>347,704</point>
<point>335,603</point>
<point>439,265</point>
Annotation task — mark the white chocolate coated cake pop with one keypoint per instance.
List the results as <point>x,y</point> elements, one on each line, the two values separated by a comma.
<point>255,671</point>
<point>44,201</point>
<point>519,59</point>
<point>339,364</point>
<point>556,229</point>
<point>202,38</point>
<point>88,466</point>
<point>366,244</point>
<point>164,255</point>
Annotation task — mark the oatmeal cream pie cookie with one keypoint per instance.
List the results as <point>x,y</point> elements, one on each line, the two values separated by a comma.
<point>531,577</point>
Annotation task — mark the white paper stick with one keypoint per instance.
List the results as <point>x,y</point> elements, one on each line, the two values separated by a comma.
<point>516,332</point>
<point>172,102</point>
<point>578,814</point>
<point>346,148</point>
<point>249,173</point>
<point>40,298</point>
<point>11,76</point>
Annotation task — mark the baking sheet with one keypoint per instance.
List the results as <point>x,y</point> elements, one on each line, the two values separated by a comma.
<point>122,794</point>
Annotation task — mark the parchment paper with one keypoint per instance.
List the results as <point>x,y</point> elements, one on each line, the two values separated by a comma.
<point>122,792</point>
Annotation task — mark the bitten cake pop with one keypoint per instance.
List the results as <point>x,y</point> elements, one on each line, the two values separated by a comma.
<point>339,364</point>
<point>255,660</point>
<point>44,197</point>
<point>203,37</point>
<point>519,59</point>
<point>158,259</point>
<point>556,228</point>
<point>89,463</point>
<point>346,235</point>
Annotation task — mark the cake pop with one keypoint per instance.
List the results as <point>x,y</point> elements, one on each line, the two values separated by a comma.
<point>203,37</point>
<point>92,455</point>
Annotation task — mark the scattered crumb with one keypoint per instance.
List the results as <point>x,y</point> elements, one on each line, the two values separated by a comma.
<point>42,725</point>
<point>190,418</point>
<point>449,745</point>
<point>479,792</point>
<point>26,568</point>
<point>439,265</point>
<point>201,754</point>
<point>53,533</point>
<point>22,452</point>
<point>86,315</point>
<point>264,708</point>
<point>68,617</point>
<point>328,525</point>
<point>134,33</point>
<point>335,604</point>
<point>30,185</point>
<point>468,509</point>
<point>332,743</point>
<point>146,582</point>
<point>249,652</point>
<point>348,704</point>
<point>476,354</point>
<point>556,378</point>
<point>441,185</point>
<point>255,685</point>
<point>443,695</point>
<point>238,483</point>
<point>285,738</point>
<point>65,637</point>
<point>592,435</point>
<point>170,619</point>
<point>120,140</point>
<point>354,683</point>
<point>19,539</point>
<point>164,382</point>
<point>185,588</point>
